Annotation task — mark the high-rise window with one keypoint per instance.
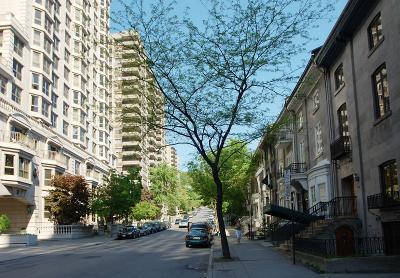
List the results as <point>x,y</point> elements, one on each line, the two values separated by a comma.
<point>18,46</point>
<point>46,65</point>
<point>37,38</point>
<point>9,164</point>
<point>38,17</point>
<point>375,34</point>
<point>54,119</point>
<point>46,86</point>
<point>65,128</point>
<point>24,167</point>
<point>36,59</point>
<point>382,102</point>
<point>389,178</point>
<point>47,177</point>
<point>66,91</point>
<point>47,45</point>
<point>339,77</point>
<point>54,99</point>
<point>35,81</point>
<point>3,84</point>
<point>45,108</point>
<point>66,73</point>
<point>47,24</point>
<point>65,109</point>
<point>16,94</point>
<point>75,132</point>
<point>34,103</point>
<point>17,69</point>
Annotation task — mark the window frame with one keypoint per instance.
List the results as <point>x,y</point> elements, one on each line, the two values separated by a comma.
<point>382,176</point>
<point>339,83</point>
<point>371,43</point>
<point>8,167</point>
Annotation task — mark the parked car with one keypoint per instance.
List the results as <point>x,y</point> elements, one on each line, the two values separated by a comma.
<point>165,225</point>
<point>202,225</point>
<point>183,223</point>
<point>144,230</point>
<point>196,237</point>
<point>155,226</point>
<point>149,227</point>
<point>177,221</point>
<point>128,232</point>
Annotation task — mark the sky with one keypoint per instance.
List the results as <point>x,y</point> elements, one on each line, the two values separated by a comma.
<point>186,153</point>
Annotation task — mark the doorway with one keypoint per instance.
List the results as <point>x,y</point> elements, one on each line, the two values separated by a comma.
<point>348,190</point>
<point>391,234</point>
<point>344,241</point>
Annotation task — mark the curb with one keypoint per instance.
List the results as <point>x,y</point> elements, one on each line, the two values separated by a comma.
<point>210,263</point>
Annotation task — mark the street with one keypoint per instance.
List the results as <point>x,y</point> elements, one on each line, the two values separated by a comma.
<point>159,255</point>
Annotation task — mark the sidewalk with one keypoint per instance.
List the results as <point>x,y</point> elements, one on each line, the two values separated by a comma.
<point>50,246</point>
<point>259,259</point>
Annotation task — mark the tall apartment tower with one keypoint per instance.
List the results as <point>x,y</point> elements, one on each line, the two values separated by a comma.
<point>55,84</point>
<point>137,103</point>
<point>171,157</point>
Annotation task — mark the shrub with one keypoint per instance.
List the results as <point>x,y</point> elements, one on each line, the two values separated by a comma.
<point>4,223</point>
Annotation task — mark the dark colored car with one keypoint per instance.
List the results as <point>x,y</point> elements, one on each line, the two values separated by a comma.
<point>128,232</point>
<point>148,226</point>
<point>144,230</point>
<point>202,225</point>
<point>177,221</point>
<point>198,237</point>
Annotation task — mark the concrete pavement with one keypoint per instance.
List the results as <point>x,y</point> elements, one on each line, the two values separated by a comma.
<point>256,259</point>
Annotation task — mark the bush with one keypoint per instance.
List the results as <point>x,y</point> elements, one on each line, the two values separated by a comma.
<point>4,223</point>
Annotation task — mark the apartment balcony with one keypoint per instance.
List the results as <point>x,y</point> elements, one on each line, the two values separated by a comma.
<point>55,158</point>
<point>92,176</point>
<point>19,141</point>
<point>341,148</point>
<point>284,138</point>
<point>384,200</point>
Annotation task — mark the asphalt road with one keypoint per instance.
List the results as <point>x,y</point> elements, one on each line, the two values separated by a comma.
<point>159,255</point>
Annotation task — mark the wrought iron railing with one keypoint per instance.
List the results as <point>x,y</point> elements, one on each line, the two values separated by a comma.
<point>384,200</point>
<point>341,147</point>
<point>337,207</point>
<point>297,168</point>
<point>329,247</point>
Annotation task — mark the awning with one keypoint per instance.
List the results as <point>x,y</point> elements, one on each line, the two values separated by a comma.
<point>289,214</point>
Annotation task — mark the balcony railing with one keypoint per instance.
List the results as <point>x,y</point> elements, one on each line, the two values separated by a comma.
<point>384,200</point>
<point>57,156</point>
<point>22,139</point>
<point>297,168</point>
<point>341,147</point>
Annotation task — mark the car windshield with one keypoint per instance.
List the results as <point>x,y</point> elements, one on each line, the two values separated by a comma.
<point>197,232</point>
<point>199,226</point>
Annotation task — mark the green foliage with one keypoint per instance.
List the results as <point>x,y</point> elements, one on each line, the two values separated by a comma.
<point>119,194</point>
<point>233,175</point>
<point>145,210</point>
<point>68,202</point>
<point>4,223</point>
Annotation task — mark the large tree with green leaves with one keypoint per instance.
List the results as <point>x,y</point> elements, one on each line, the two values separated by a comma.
<point>233,175</point>
<point>68,201</point>
<point>118,195</point>
<point>164,181</point>
<point>217,75</point>
<point>145,210</point>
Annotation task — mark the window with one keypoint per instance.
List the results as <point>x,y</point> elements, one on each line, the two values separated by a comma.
<point>17,69</point>
<point>65,128</point>
<point>18,46</point>
<point>46,87</point>
<point>3,84</point>
<point>67,38</point>
<point>322,192</point>
<point>300,120</point>
<point>45,108</point>
<point>65,109</point>
<point>1,38</point>
<point>67,21</point>
<point>46,65</point>
<point>55,62</point>
<point>9,164</point>
<point>38,17</point>
<point>339,77</point>
<point>54,119</point>
<point>36,59</point>
<point>54,99</point>
<point>76,97</point>
<point>35,103</point>
<point>16,94</point>
<point>47,177</point>
<point>47,45</point>
<point>343,121</point>
<point>77,167</point>
<point>382,103</point>
<point>66,55</point>
<point>75,132</point>
<point>55,81</point>
<point>302,152</point>
<point>389,178</point>
<point>66,73</point>
<point>47,25</point>
<point>35,81</point>
<point>56,25</point>
<point>66,91</point>
<point>36,38</point>
<point>23,168</point>
<point>375,35</point>
<point>318,140</point>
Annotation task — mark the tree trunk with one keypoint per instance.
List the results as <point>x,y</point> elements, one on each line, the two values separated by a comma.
<point>221,224</point>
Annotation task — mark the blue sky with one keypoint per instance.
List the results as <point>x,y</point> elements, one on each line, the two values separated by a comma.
<point>197,11</point>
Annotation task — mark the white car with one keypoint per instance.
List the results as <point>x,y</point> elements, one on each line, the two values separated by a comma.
<point>183,223</point>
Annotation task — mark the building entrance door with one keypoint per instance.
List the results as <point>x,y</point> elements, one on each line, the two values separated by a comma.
<point>349,191</point>
<point>391,233</point>
<point>344,241</point>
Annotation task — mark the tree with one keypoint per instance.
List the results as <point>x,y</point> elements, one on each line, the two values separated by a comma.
<point>234,177</point>
<point>68,202</point>
<point>164,182</point>
<point>4,223</point>
<point>217,75</point>
<point>145,210</point>
<point>119,194</point>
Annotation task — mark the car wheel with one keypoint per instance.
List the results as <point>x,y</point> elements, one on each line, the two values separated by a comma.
<point>187,245</point>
